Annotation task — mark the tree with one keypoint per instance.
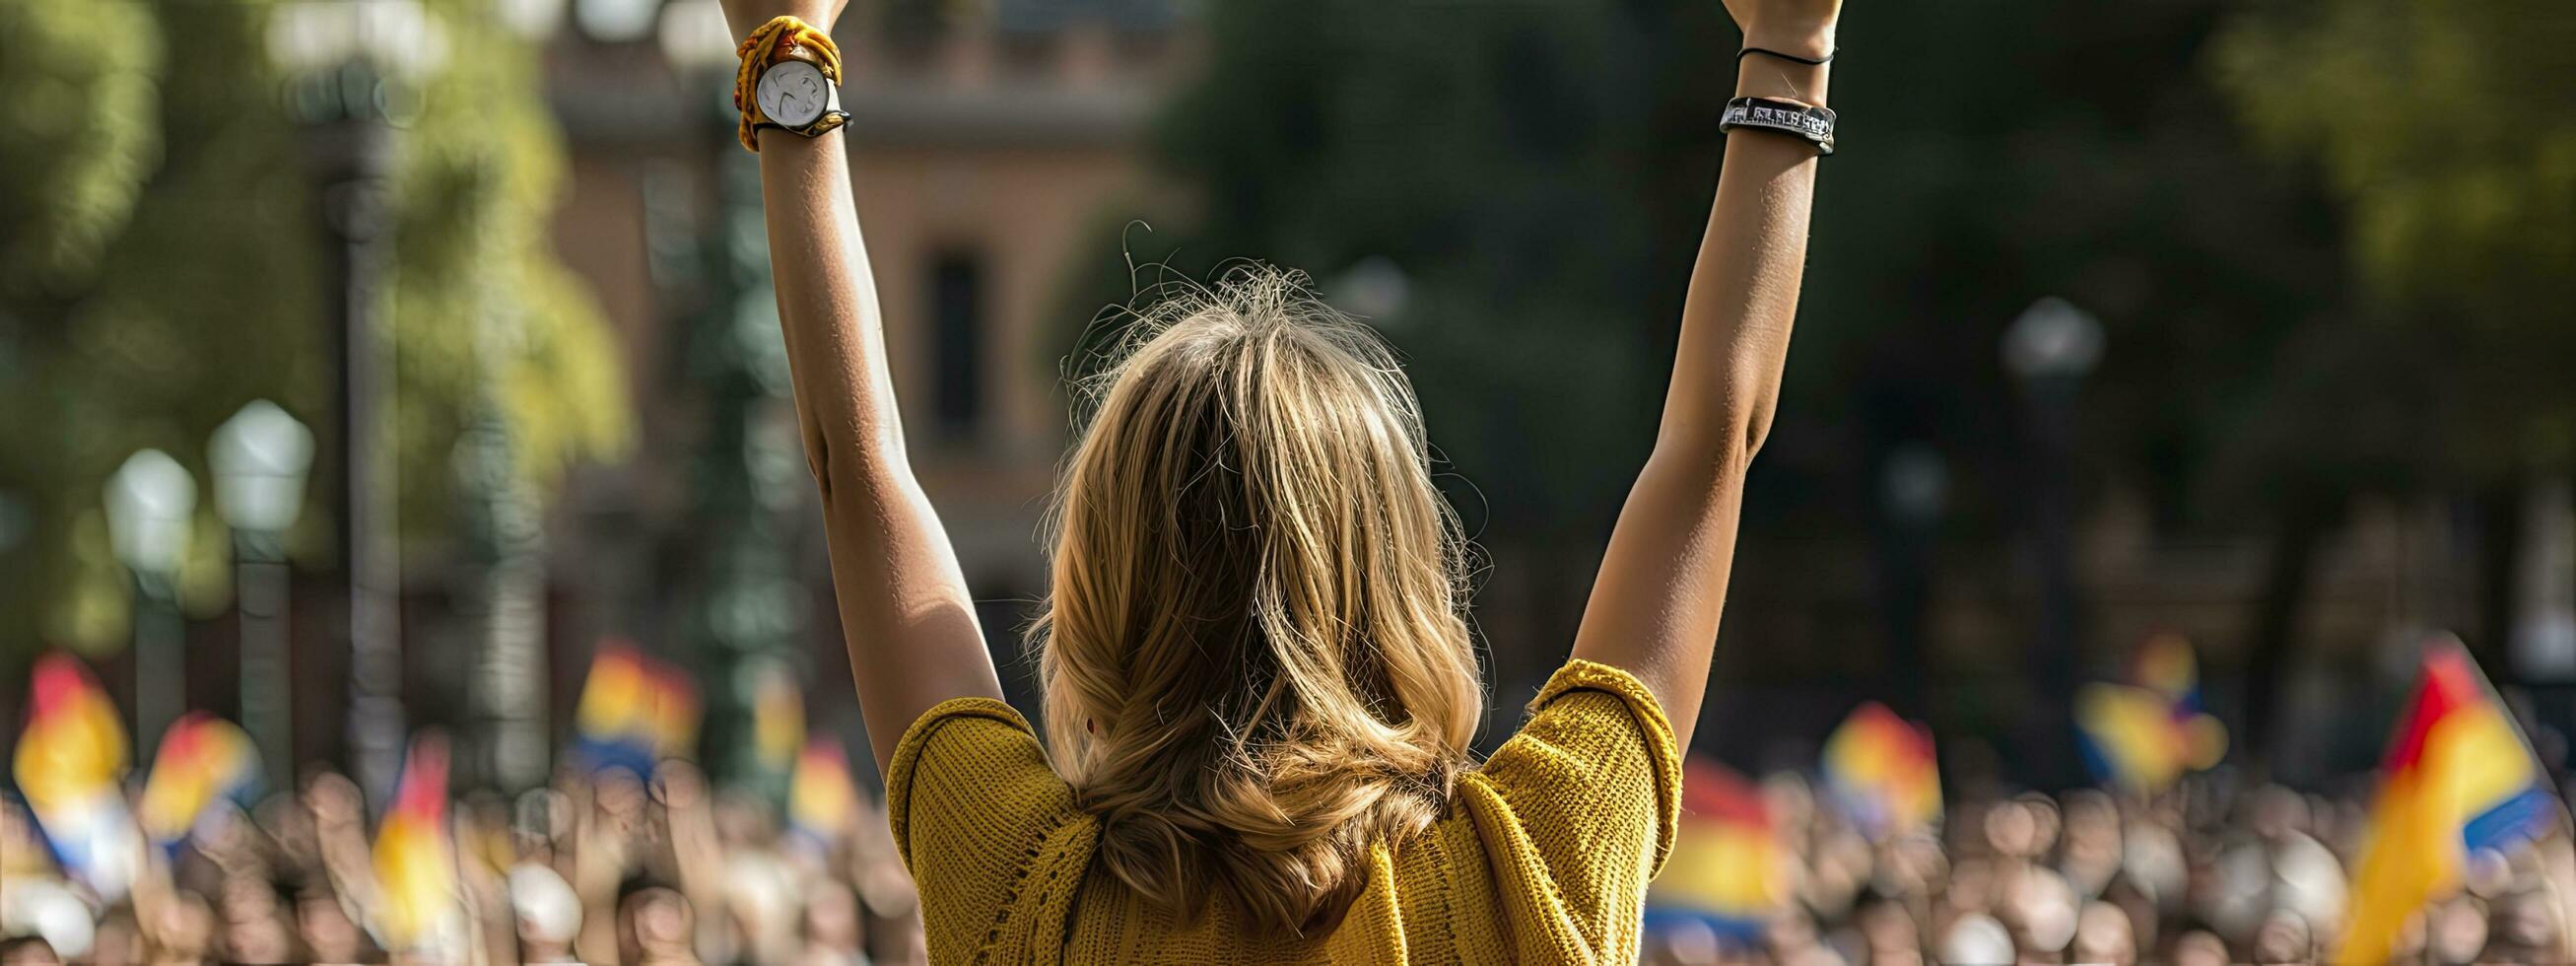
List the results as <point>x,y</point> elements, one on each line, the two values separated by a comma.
<point>158,268</point>
<point>147,293</point>
<point>2460,229</point>
<point>2461,223</point>
<point>1369,144</point>
<point>1540,175</point>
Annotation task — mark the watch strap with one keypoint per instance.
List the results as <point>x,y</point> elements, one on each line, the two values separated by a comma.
<point>784,38</point>
<point>1806,122</point>
<point>833,119</point>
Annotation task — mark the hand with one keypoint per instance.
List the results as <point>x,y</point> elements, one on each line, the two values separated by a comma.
<point>743,15</point>
<point>1801,27</point>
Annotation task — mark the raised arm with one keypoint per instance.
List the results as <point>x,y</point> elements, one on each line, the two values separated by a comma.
<point>905,614</point>
<point>1655,604</point>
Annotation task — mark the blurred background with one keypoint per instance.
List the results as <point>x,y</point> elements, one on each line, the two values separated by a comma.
<point>376,369</point>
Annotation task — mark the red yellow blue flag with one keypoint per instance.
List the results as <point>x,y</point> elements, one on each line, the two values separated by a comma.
<point>203,760</point>
<point>821,799</point>
<point>69,763</point>
<point>1727,869</point>
<point>414,857</point>
<point>634,711</point>
<point>2458,778</point>
<point>777,720</point>
<point>2146,734</point>
<point>1880,769</point>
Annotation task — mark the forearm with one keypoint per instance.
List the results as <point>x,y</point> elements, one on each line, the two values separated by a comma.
<point>827,309</point>
<point>1744,287</point>
<point>905,612</point>
<point>1655,605</point>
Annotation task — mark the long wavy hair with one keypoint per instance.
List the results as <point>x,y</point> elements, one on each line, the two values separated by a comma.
<point>1254,652</point>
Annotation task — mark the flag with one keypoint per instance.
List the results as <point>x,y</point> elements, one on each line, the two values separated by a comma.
<point>821,798</point>
<point>203,759</point>
<point>2458,778</point>
<point>634,711</point>
<point>1880,770</point>
<point>1726,866</point>
<point>69,762</point>
<point>672,711</point>
<point>2165,663</point>
<point>414,858</point>
<point>777,720</point>
<point>2145,734</point>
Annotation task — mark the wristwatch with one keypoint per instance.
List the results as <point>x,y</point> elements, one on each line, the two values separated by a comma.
<point>794,96</point>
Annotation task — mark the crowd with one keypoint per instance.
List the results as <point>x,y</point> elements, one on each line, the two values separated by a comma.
<point>631,855</point>
<point>602,867</point>
<point>2194,877</point>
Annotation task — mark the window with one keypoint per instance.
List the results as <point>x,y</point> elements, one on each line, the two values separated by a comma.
<point>957,344</point>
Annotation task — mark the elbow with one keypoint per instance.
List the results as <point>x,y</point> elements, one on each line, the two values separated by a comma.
<point>1721,442</point>
<point>847,461</point>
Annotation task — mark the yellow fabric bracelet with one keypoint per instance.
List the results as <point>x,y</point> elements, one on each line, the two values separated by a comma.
<point>781,38</point>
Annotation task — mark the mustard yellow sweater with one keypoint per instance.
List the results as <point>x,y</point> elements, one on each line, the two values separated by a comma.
<point>1542,857</point>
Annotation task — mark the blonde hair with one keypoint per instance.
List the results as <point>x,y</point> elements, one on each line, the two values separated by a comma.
<point>1254,652</point>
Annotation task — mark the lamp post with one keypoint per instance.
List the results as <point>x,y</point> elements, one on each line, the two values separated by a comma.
<point>744,620</point>
<point>260,457</point>
<point>150,501</point>
<point>2051,347</point>
<point>1914,485</point>
<point>504,593</point>
<point>348,65</point>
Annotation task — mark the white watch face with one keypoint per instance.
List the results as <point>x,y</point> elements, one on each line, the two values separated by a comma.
<point>793,93</point>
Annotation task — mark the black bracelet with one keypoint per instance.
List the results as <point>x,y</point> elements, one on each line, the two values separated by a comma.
<point>1814,125</point>
<point>1793,58</point>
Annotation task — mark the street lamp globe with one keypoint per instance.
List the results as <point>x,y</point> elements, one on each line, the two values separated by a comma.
<point>2053,339</point>
<point>615,21</point>
<point>532,19</point>
<point>149,501</point>
<point>1374,288</point>
<point>260,458</point>
<point>402,36</point>
<point>309,36</point>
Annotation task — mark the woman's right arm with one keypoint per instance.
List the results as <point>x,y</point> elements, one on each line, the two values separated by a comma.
<point>1655,605</point>
<point>906,617</point>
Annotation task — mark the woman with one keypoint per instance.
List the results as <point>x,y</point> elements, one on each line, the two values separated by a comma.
<point>1259,684</point>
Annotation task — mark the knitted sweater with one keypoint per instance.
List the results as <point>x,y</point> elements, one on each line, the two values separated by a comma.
<point>1542,856</point>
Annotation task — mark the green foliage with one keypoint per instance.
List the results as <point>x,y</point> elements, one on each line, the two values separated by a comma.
<point>79,133</point>
<point>160,265</point>
<point>168,302</point>
<point>1492,157</point>
<point>2448,133</point>
<point>1542,173</point>
<point>481,167</point>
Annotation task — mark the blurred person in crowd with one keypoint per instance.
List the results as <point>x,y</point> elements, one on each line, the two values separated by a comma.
<point>1889,935</point>
<point>44,922</point>
<point>2200,948</point>
<point>655,927</point>
<point>1254,649</point>
<point>2456,931</point>
<point>257,924</point>
<point>2284,937</point>
<point>831,928</point>
<point>2104,934</point>
<point>546,913</point>
<point>1976,939</point>
<point>329,932</point>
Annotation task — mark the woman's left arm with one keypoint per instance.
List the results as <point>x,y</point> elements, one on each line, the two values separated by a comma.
<point>1655,604</point>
